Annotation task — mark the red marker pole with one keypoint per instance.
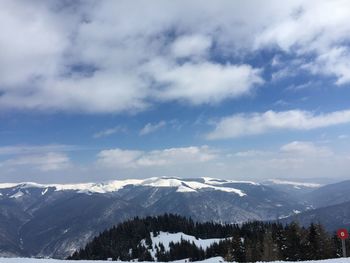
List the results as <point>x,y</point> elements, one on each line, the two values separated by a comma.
<point>343,234</point>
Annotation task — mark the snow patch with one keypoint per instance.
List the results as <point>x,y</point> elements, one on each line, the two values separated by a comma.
<point>166,238</point>
<point>215,181</point>
<point>17,195</point>
<point>184,189</point>
<point>7,185</point>
<point>296,185</point>
<point>181,185</point>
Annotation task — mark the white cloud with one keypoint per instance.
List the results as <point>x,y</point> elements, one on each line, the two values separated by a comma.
<point>149,127</point>
<point>173,156</point>
<point>305,148</point>
<point>298,159</point>
<point>314,28</point>
<point>31,43</point>
<point>45,162</point>
<point>258,123</point>
<point>118,158</point>
<point>99,57</point>
<point>252,153</point>
<point>333,62</point>
<point>190,154</point>
<point>203,82</point>
<point>36,149</point>
<point>110,131</point>
<point>192,45</point>
<point>93,59</point>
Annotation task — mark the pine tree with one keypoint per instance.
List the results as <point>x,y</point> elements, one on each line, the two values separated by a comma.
<point>313,243</point>
<point>253,241</point>
<point>237,248</point>
<point>294,245</point>
<point>270,252</point>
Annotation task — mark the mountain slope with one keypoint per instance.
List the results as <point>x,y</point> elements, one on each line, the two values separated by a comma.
<point>295,189</point>
<point>53,220</point>
<point>331,194</point>
<point>172,237</point>
<point>331,217</point>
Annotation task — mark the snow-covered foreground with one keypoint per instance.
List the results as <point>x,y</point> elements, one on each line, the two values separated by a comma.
<point>210,260</point>
<point>33,260</point>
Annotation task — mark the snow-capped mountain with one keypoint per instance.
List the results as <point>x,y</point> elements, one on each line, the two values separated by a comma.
<point>181,185</point>
<point>331,194</point>
<point>56,219</point>
<point>294,188</point>
<point>331,217</point>
<point>331,205</point>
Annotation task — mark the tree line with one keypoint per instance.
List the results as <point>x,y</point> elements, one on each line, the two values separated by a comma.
<point>249,242</point>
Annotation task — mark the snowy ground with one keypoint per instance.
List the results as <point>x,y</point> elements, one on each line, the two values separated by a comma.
<point>33,260</point>
<point>210,260</point>
<point>165,238</point>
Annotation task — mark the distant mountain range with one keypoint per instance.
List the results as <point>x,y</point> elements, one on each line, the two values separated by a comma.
<point>55,220</point>
<point>332,207</point>
<point>330,194</point>
<point>331,217</point>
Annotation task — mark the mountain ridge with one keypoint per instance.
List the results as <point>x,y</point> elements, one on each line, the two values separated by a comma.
<point>53,220</point>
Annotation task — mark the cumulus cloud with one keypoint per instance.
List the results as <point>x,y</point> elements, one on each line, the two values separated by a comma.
<point>97,57</point>
<point>31,42</point>
<point>317,29</point>
<point>305,148</point>
<point>296,159</point>
<point>149,127</point>
<point>203,82</point>
<point>191,45</point>
<point>173,156</point>
<point>36,149</point>
<point>45,162</point>
<point>92,56</point>
<point>240,125</point>
<point>23,160</point>
<point>333,62</point>
<point>118,158</point>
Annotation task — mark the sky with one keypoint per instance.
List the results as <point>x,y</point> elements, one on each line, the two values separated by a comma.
<point>104,90</point>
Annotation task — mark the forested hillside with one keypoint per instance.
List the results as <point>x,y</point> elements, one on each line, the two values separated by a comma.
<point>250,242</point>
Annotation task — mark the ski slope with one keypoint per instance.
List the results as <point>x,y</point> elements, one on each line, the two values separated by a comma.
<point>166,238</point>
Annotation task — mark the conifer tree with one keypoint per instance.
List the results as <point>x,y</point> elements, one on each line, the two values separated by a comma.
<point>270,248</point>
